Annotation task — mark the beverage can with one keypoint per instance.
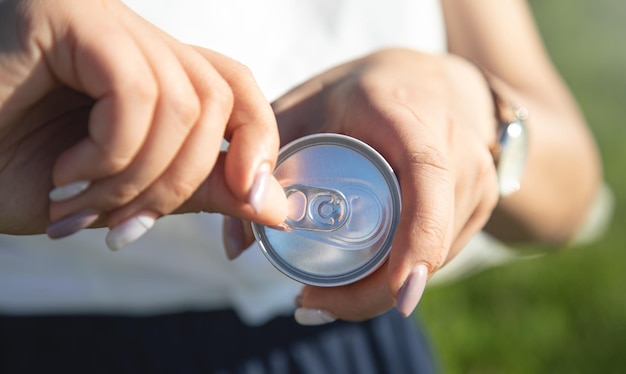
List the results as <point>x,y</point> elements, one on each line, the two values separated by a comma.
<point>343,208</point>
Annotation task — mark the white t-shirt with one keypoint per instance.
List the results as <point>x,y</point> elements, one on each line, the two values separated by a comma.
<point>180,264</point>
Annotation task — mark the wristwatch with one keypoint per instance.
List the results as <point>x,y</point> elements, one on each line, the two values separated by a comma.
<point>511,150</point>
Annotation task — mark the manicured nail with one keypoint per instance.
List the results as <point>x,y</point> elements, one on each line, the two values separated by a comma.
<point>68,191</point>
<point>313,317</point>
<point>233,237</point>
<point>259,187</point>
<point>129,231</point>
<point>412,290</point>
<point>71,224</point>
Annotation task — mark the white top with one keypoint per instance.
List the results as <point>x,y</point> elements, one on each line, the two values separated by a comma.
<point>285,42</point>
<point>180,264</point>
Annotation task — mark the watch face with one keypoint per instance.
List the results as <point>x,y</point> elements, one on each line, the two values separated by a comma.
<point>513,150</point>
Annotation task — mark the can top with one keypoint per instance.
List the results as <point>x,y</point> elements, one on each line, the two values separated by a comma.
<point>344,205</point>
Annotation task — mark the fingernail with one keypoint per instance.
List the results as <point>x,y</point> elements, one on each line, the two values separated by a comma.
<point>313,317</point>
<point>259,187</point>
<point>68,191</point>
<point>129,231</point>
<point>412,290</point>
<point>233,237</point>
<point>71,224</point>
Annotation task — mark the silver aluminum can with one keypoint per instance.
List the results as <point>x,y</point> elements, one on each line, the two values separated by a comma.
<point>344,206</point>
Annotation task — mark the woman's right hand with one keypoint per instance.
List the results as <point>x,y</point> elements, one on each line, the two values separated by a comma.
<point>124,124</point>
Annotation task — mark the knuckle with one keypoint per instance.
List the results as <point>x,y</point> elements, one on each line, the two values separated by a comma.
<point>430,230</point>
<point>432,237</point>
<point>241,71</point>
<point>238,73</point>
<point>430,162</point>
<point>121,193</point>
<point>142,90</point>
<point>185,109</point>
<point>180,189</point>
<point>111,164</point>
<point>221,97</point>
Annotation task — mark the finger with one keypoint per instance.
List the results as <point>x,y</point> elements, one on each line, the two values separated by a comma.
<point>424,234</point>
<point>358,301</point>
<point>426,227</point>
<point>252,133</point>
<point>173,187</point>
<point>176,114</point>
<point>249,152</point>
<point>212,196</point>
<point>480,212</point>
<point>181,107</point>
<point>115,73</point>
<point>215,196</point>
<point>476,191</point>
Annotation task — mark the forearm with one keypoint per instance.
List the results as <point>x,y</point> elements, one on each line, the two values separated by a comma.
<point>563,171</point>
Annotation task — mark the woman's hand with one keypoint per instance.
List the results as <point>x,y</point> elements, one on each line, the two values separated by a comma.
<point>123,123</point>
<point>431,117</point>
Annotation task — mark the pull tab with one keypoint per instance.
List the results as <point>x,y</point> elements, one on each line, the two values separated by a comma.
<point>315,209</point>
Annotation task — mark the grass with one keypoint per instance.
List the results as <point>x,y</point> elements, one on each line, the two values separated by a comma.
<point>566,312</point>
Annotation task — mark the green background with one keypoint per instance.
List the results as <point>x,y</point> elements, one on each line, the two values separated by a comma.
<point>566,312</point>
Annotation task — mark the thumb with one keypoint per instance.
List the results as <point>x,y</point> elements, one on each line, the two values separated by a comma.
<point>265,203</point>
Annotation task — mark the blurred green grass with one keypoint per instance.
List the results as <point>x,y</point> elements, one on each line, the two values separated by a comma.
<point>566,312</point>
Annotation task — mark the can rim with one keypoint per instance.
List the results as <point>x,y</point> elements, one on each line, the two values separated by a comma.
<point>377,160</point>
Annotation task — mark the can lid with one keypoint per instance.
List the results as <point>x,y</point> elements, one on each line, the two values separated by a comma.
<point>344,205</point>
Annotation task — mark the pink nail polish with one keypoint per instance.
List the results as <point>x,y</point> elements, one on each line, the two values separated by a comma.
<point>412,290</point>
<point>259,187</point>
<point>68,191</point>
<point>313,317</point>
<point>233,237</point>
<point>129,231</point>
<point>71,224</point>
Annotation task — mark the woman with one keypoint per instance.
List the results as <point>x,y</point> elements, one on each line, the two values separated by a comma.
<point>89,97</point>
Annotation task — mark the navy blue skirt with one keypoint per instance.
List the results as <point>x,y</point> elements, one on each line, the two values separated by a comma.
<point>210,342</point>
